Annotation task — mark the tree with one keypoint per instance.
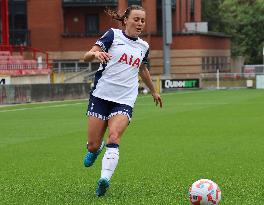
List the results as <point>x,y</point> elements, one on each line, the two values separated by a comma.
<point>243,20</point>
<point>211,14</point>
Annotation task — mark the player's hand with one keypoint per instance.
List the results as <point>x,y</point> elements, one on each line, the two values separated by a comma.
<point>157,99</point>
<point>103,57</point>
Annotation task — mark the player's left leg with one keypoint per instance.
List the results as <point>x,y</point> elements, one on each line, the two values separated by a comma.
<point>117,125</point>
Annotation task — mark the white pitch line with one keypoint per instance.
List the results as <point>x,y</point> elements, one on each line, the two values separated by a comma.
<point>181,104</point>
<point>43,107</point>
<point>45,102</point>
<point>177,93</point>
<point>63,105</point>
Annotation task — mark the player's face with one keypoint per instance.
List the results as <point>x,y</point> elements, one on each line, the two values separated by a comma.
<point>135,23</point>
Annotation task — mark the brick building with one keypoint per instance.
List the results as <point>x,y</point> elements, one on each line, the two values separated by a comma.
<point>67,28</point>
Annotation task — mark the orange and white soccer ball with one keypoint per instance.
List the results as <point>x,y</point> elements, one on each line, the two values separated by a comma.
<point>204,192</point>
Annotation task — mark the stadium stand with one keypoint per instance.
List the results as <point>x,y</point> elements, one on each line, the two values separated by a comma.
<point>14,63</point>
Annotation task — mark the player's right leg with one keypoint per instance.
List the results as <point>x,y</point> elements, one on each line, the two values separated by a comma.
<point>96,130</point>
<point>97,124</point>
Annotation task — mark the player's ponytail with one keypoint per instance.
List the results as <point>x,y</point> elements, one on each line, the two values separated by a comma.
<point>116,16</point>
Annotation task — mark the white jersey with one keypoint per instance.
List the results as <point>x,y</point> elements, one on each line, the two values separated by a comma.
<point>117,81</point>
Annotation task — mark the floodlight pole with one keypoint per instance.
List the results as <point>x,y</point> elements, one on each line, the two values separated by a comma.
<point>167,35</point>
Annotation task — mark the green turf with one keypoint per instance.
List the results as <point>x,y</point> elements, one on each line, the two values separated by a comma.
<point>199,134</point>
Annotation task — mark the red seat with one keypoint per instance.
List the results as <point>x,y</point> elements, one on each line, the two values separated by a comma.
<point>4,57</point>
<point>4,53</point>
<point>16,57</point>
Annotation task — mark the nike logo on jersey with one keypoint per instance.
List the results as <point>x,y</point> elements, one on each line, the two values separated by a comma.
<point>129,60</point>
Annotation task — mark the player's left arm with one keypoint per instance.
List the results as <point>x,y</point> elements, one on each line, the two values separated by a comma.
<point>145,76</point>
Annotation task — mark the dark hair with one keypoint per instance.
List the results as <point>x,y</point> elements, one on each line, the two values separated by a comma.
<point>116,16</point>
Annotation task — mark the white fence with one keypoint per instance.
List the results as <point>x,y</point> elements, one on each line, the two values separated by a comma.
<point>229,80</point>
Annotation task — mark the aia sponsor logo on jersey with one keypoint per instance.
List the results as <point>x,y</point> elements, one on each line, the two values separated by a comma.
<point>130,60</point>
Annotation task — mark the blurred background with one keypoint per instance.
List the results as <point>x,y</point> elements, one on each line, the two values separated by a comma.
<point>214,44</point>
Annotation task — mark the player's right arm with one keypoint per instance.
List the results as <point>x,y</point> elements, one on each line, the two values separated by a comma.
<point>97,53</point>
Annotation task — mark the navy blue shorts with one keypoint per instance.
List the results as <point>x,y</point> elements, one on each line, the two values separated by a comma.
<point>104,109</point>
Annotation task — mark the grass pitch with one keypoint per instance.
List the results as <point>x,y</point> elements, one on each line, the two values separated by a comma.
<point>217,135</point>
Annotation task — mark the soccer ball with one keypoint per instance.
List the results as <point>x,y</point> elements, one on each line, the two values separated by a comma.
<point>204,192</point>
<point>145,91</point>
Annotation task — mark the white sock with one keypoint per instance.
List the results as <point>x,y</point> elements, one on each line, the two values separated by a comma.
<point>109,162</point>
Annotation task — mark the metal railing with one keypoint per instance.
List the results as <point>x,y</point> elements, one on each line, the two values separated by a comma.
<point>73,66</point>
<point>75,71</point>
<point>81,73</point>
<point>23,65</point>
<point>226,76</point>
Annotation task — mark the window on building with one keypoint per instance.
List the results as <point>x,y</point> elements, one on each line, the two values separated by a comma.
<point>19,33</point>
<point>92,24</point>
<point>212,63</point>
<point>203,63</point>
<point>159,21</point>
<point>134,2</point>
<point>20,21</point>
<point>208,63</point>
<point>192,9</point>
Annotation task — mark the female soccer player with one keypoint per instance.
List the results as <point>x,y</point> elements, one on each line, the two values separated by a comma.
<point>122,55</point>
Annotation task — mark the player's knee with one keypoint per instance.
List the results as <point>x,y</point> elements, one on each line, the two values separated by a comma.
<point>113,137</point>
<point>93,146</point>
